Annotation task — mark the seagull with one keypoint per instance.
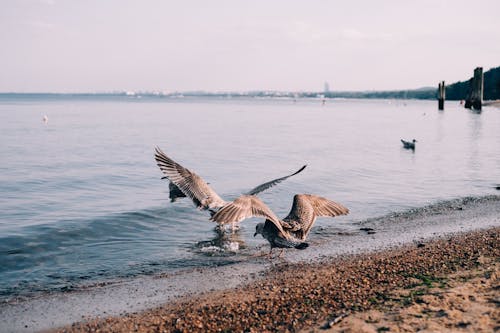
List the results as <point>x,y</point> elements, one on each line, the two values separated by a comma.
<point>290,232</point>
<point>271,232</point>
<point>185,183</point>
<point>408,144</point>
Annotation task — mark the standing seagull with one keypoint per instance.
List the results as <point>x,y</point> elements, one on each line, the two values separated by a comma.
<point>408,144</point>
<point>193,186</point>
<point>290,232</point>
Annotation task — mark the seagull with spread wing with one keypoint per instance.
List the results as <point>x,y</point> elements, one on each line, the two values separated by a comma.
<point>292,231</point>
<point>184,182</point>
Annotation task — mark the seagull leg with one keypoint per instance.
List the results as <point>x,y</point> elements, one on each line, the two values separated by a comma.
<point>281,253</point>
<point>220,228</point>
<point>270,256</point>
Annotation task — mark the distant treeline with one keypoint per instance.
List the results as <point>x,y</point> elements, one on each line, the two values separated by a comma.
<point>460,90</point>
<point>423,93</point>
<point>455,91</point>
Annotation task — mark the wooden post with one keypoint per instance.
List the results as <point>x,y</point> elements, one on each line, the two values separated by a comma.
<point>475,98</point>
<point>441,95</point>
<point>468,101</point>
<point>477,89</point>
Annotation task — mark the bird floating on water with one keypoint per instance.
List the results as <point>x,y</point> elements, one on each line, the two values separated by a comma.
<point>409,144</point>
<point>185,183</point>
<point>292,231</point>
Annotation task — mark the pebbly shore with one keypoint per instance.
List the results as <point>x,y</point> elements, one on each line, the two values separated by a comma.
<point>294,297</point>
<point>280,295</point>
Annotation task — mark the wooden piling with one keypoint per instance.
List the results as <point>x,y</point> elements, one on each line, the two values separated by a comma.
<point>475,99</point>
<point>441,95</point>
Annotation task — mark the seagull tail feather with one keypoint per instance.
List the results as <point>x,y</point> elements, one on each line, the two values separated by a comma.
<point>302,246</point>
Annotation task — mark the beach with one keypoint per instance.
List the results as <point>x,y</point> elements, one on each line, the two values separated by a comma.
<point>299,297</point>
<point>495,103</point>
<point>424,283</point>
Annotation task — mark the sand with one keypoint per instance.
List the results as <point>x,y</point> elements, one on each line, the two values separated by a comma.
<point>494,103</point>
<point>458,276</point>
<point>466,301</point>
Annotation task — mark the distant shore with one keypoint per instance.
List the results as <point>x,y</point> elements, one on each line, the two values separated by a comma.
<point>495,103</point>
<point>418,94</point>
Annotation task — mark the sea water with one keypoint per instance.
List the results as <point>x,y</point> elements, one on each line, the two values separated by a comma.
<point>82,200</point>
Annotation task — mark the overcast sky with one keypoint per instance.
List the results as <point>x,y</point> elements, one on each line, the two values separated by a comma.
<point>241,45</point>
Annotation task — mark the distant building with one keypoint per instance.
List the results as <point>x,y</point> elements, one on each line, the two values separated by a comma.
<point>327,88</point>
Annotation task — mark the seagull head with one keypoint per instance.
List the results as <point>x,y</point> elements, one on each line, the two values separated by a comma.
<point>259,228</point>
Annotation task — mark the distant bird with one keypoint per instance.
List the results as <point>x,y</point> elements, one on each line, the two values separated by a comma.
<point>408,144</point>
<point>45,119</point>
<point>185,183</point>
<point>290,232</point>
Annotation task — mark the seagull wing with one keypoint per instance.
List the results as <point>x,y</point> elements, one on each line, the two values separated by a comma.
<point>192,185</point>
<point>174,192</point>
<point>279,240</point>
<point>245,207</point>
<point>307,207</point>
<point>271,183</point>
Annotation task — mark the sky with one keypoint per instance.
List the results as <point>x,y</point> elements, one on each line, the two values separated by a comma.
<point>241,45</point>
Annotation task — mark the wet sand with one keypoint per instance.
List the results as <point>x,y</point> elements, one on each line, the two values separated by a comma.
<point>349,273</point>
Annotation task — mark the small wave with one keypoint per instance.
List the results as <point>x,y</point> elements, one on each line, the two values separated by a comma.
<point>437,208</point>
<point>211,249</point>
<point>226,248</point>
<point>64,254</point>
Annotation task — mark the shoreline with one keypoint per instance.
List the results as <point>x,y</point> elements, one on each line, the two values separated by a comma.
<point>302,297</point>
<point>493,103</point>
<point>415,226</point>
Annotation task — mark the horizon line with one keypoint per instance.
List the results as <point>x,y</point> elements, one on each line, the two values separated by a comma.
<point>210,92</point>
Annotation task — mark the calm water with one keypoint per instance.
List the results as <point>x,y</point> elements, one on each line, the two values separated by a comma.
<point>81,199</point>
